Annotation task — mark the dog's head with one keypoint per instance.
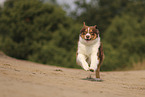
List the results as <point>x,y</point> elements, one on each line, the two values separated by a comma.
<point>89,33</point>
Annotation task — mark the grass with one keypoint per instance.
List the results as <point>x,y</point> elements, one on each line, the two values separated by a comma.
<point>137,66</point>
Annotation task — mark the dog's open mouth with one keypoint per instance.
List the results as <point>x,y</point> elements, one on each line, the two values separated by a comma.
<point>87,39</point>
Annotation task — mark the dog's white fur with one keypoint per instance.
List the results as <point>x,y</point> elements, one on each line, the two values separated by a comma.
<point>87,53</point>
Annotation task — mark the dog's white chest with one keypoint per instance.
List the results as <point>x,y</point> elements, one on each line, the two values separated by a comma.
<point>87,50</point>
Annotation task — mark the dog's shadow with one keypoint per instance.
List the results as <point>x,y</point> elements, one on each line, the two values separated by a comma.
<point>93,79</point>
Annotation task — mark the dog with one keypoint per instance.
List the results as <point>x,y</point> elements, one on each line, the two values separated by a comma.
<point>90,53</point>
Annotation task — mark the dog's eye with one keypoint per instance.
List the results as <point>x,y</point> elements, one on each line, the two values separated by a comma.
<point>84,33</point>
<point>92,33</point>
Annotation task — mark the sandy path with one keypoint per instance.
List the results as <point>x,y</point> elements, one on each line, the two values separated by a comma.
<point>27,79</point>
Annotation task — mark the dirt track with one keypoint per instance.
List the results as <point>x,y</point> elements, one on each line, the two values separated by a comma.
<point>26,79</point>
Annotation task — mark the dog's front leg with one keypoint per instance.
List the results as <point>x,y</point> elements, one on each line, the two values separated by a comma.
<point>81,60</point>
<point>94,62</point>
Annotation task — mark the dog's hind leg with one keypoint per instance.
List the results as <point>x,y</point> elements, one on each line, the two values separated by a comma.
<point>98,72</point>
<point>101,58</point>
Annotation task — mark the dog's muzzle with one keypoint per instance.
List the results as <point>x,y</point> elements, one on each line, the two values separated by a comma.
<point>87,37</point>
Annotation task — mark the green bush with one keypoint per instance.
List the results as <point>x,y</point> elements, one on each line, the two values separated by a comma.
<point>41,32</point>
<point>124,41</point>
<point>38,32</point>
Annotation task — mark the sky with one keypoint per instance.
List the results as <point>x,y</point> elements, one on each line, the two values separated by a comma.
<point>69,2</point>
<point>61,2</point>
<point>68,10</point>
<point>1,2</point>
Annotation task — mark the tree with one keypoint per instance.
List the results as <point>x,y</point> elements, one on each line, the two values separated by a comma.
<point>99,12</point>
<point>39,32</point>
<point>42,32</point>
<point>119,21</point>
<point>127,41</point>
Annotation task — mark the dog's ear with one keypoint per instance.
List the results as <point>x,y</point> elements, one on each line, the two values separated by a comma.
<point>84,24</point>
<point>82,30</point>
<point>95,26</point>
<point>97,31</point>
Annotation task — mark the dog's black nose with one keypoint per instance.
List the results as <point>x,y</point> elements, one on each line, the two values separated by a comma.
<point>87,36</point>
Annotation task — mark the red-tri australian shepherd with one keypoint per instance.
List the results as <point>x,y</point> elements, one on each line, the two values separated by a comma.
<point>90,50</point>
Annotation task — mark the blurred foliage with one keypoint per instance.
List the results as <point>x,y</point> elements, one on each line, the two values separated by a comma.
<point>121,23</point>
<point>39,32</point>
<point>100,12</point>
<point>127,39</point>
<point>42,32</point>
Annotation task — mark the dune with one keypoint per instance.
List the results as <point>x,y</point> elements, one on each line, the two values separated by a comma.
<point>19,78</point>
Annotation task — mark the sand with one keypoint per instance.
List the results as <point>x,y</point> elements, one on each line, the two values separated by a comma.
<point>19,78</point>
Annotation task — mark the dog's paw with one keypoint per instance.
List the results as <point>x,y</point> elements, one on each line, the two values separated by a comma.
<point>92,70</point>
<point>98,79</point>
<point>86,68</point>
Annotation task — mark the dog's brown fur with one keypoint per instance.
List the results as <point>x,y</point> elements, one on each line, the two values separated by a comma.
<point>101,58</point>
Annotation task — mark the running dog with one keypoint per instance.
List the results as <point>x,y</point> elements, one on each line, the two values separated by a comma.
<point>90,53</point>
